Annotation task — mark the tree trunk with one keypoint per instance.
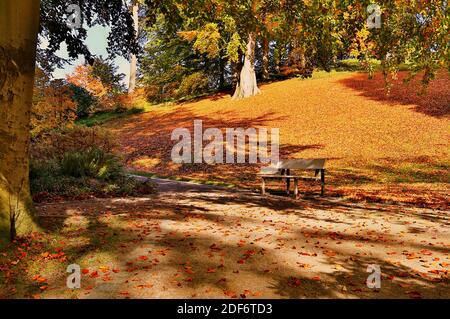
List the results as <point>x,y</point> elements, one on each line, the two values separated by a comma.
<point>133,58</point>
<point>247,85</point>
<point>19,25</point>
<point>265,59</point>
<point>235,67</point>
<point>222,64</point>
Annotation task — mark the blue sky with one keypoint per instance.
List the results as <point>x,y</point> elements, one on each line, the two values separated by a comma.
<point>97,42</point>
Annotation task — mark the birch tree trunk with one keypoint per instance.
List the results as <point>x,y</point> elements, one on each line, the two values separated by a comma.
<point>247,85</point>
<point>133,58</point>
<point>265,59</point>
<point>19,24</point>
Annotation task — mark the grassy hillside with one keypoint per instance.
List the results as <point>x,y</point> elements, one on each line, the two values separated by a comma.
<point>379,147</point>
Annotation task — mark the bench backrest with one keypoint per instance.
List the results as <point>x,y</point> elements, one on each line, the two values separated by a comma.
<point>299,163</point>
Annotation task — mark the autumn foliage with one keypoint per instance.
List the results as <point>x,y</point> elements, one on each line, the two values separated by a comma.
<point>53,106</point>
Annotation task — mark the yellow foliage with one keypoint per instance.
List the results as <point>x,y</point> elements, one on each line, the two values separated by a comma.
<point>52,105</point>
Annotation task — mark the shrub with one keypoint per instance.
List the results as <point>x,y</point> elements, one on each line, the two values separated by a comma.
<point>52,105</point>
<point>94,163</point>
<point>84,100</point>
<point>77,139</point>
<point>80,162</point>
<point>193,84</point>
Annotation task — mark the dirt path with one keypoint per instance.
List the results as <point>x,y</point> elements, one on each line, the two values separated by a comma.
<point>197,241</point>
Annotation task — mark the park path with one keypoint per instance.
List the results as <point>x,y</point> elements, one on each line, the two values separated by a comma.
<point>201,241</point>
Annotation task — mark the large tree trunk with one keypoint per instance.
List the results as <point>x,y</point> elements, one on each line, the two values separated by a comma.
<point>133,58</point>
<point>247,85</point>
<point>265,59</point>
<point>19,25</point>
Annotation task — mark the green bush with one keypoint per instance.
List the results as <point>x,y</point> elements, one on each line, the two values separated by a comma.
<point>193,84</point>
<point>85,101</point>
<point>94,163</point>
<point>80,162</point>
<point>355,65</point>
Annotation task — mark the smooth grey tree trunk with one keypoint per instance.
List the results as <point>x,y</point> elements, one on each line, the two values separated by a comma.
<point>265,59</point>
<point>247,85</point>
<point>133,58</point>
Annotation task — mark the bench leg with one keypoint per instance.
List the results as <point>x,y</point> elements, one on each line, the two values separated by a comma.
<point>263,187</point>
<point>288,185</point>
<point>296,188</point>
<point>322,182</point>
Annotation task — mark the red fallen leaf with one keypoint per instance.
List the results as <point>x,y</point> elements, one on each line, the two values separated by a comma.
<point>241,261</point>
<point>45,255</point>
<point>330,253</point>
<point>116,270</point>
<point>414,294</point>
<point>188,270</point>
<point>434,271</point>
<point>215,247</point>
<point>189,279</point>
<point>257,294</point>
<point>357,290</point>
<point>295,282</point>
<point>317,278</point>
<point>249,253</point>
<point>85,271</point>
<point>304,254</point>
<point>229,293</point>
<point>143,258</point>
<point>36,296</point>
<point>106,278</point>
<point>426,252</point>
<point>243,296</point>
<point>41,279</point>
<point>145,286</point>
<point>94,274</point>
<point>211,270</point>
<point>124,293</point>
<point>43,288</point>
<point>241,243</point>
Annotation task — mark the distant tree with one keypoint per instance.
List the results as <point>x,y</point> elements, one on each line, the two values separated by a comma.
<point>134,8</point>
<point>102,82</point>
<point>53,106</point>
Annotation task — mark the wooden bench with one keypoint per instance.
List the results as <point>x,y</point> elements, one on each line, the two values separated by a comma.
<point>282,171</point>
